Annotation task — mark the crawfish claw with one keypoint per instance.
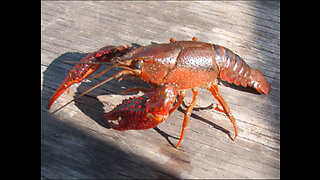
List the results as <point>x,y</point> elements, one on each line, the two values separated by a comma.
<point>131,114</point>
<point>84,69</point>
<point>143,112</point>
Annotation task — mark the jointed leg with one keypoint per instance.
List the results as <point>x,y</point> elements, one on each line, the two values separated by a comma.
<point>187,114</point>
<point>177,104</point>
<point>216,107</point>
<point>213,88</point>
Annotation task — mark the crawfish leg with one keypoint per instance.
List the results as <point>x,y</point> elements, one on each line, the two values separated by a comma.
<point>213,88</point>
<point>187,114</point>
<point>177,104</point>
<point>216,107</point>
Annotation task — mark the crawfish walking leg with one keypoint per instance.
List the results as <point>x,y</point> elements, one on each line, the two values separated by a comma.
<point>213,88</point>
<point>177,104</point>
<point>187,114</point>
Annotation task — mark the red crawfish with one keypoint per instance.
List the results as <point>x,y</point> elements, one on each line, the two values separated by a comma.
<point>170,69</point>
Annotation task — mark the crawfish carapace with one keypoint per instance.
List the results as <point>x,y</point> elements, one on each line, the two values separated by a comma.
<point>143,112</point>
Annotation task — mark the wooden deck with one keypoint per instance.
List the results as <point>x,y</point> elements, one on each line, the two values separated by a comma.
<point>75,141</point>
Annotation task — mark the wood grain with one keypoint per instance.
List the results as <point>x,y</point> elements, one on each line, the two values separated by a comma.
<point>77,143</point>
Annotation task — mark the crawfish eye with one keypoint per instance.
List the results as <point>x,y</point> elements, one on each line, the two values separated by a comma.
<point>138,64</point>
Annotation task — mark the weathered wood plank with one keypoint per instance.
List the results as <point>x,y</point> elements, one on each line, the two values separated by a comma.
<point>76,142</point>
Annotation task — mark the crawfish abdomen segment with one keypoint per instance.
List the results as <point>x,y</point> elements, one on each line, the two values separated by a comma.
<point>234,69</point>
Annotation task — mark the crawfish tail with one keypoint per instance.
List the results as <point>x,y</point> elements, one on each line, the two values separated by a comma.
<point>234,69</point>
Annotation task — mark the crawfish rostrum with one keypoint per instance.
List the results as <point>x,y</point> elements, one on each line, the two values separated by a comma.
<point>170,69</point>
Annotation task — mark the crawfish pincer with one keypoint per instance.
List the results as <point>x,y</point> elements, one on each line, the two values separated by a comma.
<point>143,112</point>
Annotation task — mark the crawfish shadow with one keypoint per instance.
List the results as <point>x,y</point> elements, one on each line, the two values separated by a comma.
<point>92,107</point>
<point>165,135</point>
<point>210,107</point>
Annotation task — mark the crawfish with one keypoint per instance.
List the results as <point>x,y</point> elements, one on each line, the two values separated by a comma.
<point>171,69</point>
